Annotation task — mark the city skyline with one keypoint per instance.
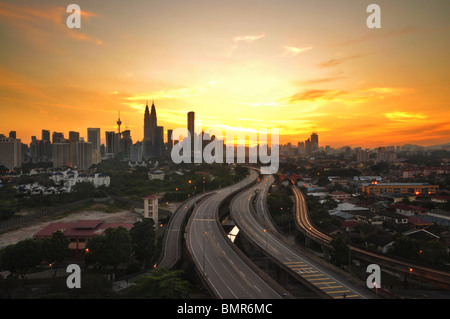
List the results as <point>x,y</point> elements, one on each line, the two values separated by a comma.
<point>299,66</point>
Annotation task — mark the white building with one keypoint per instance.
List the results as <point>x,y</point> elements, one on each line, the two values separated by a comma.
<point>70,178</point>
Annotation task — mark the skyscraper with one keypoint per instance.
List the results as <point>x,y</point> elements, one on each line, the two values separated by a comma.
<point>10,152</point>
<point>46,135</point>
<point>150,125</point>
<point>61,155</point>
<point>191,125</point>
<point>314,142</point>
<point>110,144</point>
<point>83,159</point>
<point>191,129</point>
<point>58,137</point>
<point>74,136</point>
<point>93,135</point>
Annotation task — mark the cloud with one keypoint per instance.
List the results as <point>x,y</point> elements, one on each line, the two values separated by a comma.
<point>293,51</point>
<point>404,116</point>
<point>312,95</point>
<point>318,81</point>
<point>243,38</point>
<point>335,62</point>
<point>290,51</point>
<point>37,24</point>
<point>248,38</point>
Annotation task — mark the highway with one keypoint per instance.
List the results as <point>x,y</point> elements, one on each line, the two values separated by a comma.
<point>171,251</point>
<point>224,270</point>
<point>257,228</point>
<point>441,278</point>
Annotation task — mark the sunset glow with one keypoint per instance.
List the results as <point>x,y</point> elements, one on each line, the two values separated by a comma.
<point>299,66</point>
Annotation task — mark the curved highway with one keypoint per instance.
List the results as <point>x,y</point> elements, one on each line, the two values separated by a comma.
<point>327,282</point>
<point>421,272</point>
<point>225,272</point>
<point>171,251</point>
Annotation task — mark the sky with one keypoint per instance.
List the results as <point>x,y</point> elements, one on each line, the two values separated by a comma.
<point>299,66</point>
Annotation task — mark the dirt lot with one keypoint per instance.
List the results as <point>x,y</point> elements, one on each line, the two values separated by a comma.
<point>13,236</point>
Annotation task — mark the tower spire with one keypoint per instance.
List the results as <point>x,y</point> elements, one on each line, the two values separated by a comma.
<point>119,122</point>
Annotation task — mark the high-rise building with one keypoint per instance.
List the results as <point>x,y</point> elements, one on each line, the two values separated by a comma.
<point>93,135</point>
<point>314,142</point>
<point>74,136</point>
<point>158,141</point>
<point>10,152</point>
<point>110,144</point>
<point>150,125</point>
<point>12,134</point>
<point>191,125</point>
<point>169,140</point>
<point>191,129</point>
<point>125,145</point>
<point>58,137</point>
<point>46,135</point>
<point>61,155</point>
<point>136,152</point>
<point>83,159</point>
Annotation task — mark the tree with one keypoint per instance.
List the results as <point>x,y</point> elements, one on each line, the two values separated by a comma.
<point>143,240</point>
<point>55,249</point>
<point>117,246</point>
<point>20,257</point>
<point>160,284</point>
<point>340,252</point>
<point>95,251</point>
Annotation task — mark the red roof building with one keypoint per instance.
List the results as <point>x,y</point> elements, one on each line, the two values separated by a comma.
<point>79,232</point>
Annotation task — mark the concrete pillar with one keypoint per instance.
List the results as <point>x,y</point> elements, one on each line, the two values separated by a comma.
<point>307,241</point>
<point>326,253</point>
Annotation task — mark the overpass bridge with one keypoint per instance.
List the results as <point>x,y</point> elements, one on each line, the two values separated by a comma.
<point>438,277</point>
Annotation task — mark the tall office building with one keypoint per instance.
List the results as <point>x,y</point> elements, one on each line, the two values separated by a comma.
<point>125,144</point>
<point>136,152</point>
<point>93,135</point>
<point>158,141</point>
<point>83,158</point>
<point>58,137</point>
<point>169,141</point>
<point>314,142</point>
<point>110,144</point>
<point>191,129</point>
<point>61,155</point>
<point>46,135</point>
<point>74,136</point>
<point>191,125</point>
<point>10,152</point>
<point>150,125</point>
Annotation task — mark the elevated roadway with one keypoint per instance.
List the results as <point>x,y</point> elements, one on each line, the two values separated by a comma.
<point>437,277</point>
<point>258,228</point>
<point>171,251</point>
<point>227,273</point>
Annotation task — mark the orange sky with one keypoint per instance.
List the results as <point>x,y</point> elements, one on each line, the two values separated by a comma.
<point>299,66</point>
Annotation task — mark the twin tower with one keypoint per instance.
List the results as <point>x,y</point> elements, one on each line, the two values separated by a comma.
<point>153,143</point>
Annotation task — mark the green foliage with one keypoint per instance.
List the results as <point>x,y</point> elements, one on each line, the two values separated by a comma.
<point>20,257</point>
<point>111,249</point>
<point>160,284</point>
<point>428,252</point>
<point>280,206</point>
<point>143,240</point>
<point>55,249</point>
<point>340,252</point>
